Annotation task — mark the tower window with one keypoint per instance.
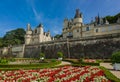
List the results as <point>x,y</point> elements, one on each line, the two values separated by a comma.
<point>87,28</point>
<point>96,30</point>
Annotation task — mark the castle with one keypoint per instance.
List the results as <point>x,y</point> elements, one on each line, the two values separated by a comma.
<point>95,40</point>
<point>37,35</point>
<point>75,28</point>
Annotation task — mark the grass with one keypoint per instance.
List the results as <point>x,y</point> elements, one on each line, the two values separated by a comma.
<point>109,75</point>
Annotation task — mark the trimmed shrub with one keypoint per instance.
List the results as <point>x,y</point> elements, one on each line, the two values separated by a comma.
<point>91,64</point>
<point>42,55</point>
<point>116,57</point>
<point>60,54</point>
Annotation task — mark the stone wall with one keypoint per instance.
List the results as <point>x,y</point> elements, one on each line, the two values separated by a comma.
<point>91,47</point>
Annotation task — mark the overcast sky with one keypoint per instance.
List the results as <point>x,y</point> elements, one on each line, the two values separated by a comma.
<point>51,13</point>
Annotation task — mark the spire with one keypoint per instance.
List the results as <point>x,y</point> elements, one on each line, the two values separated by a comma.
<point>77,14</point>
<point>40,25</point>
<point>28,27</point>
<point>98,19</point>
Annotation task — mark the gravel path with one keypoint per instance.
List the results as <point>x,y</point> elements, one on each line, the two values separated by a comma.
<point>110,67</point>
<point>64,63</point>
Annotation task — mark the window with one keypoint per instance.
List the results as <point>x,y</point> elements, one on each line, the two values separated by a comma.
<point>96,30</point>
<point>70,33</point>
<point>87,28</point>
<point>77,30</point>
<point>35,30</point>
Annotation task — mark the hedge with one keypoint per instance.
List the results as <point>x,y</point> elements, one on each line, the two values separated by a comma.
<point>28,66</point>
<point>91,64</point>
<point>109,75</point>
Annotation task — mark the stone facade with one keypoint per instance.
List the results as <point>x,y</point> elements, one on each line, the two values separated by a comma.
<point>37,35</point>
<point>74,28</point>
<point>92,47</point>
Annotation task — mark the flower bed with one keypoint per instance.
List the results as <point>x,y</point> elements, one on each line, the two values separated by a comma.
<point>62,74</point>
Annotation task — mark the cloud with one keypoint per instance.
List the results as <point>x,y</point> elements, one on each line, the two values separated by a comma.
<point>38,15</point>
<point>53,25</point>
<point>56,30</point>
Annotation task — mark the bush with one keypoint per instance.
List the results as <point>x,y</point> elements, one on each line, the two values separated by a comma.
<point>116,57</point>
<point>42,55</point>
<point>53,60</point>
<point>3,61</point>
<point>60,54</point>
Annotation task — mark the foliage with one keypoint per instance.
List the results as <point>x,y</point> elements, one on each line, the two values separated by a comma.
<point>1,42</point>
<point>13,37</point>
<point>81,60</point>
<point>3,61</point>
<point>60,54</point>
<point>112,19</point>
<point>57,36</point>
<point>53,60</point>
<point>90,64</point>
<point>109,75</point>
<point>42,55</point>
<point>116,57</point>
<point>12,59</point>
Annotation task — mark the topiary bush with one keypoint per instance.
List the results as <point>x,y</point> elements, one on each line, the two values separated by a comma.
<point>42,55</point>
<point>60,54</point>
<point>116,57</point>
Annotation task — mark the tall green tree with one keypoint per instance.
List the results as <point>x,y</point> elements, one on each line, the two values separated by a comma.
<point>14,37</point>
<point>112,19</point>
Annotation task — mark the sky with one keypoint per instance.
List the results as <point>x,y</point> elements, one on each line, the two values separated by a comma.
<point>51,13</point>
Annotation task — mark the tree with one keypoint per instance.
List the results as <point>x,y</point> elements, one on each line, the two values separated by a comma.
<point>112,19</point>
<point>14,37</point>
<point>116,57</point>
<point>57,36</point>
<point>1,42</point>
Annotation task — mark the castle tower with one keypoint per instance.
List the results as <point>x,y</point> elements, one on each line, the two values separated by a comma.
<point>65,23</point>
<point>28,35</point>
<point>40,29</point>
<point>48,32</point>
<point>29,30</point>
<point>78,18</point>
